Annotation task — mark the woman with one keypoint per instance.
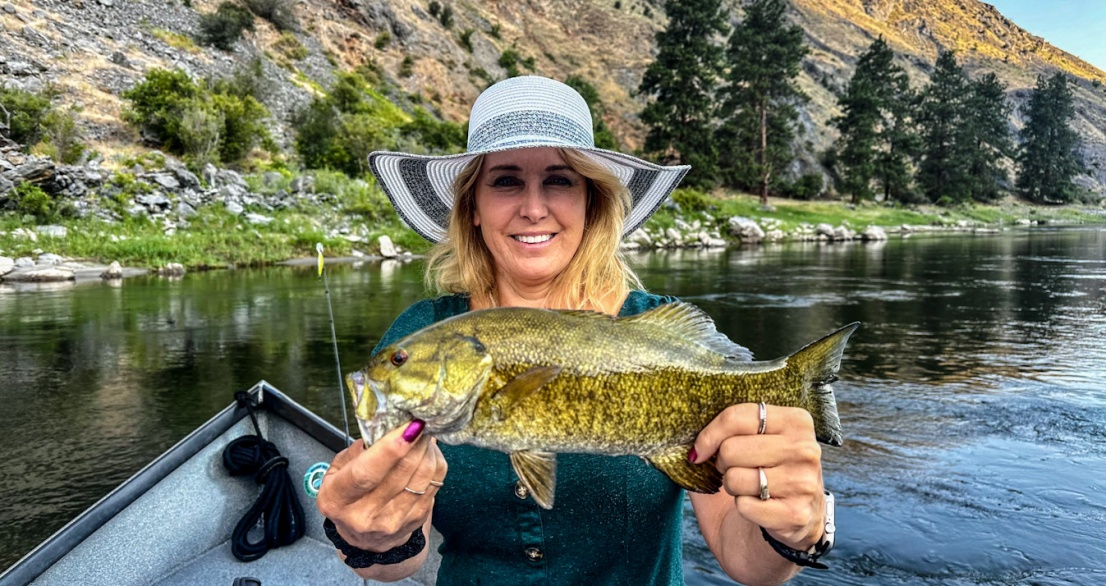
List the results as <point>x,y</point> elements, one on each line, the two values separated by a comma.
<point>531,216</point>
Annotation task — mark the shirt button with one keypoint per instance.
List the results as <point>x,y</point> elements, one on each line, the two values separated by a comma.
<point>534,554</point>
<point>522,492</point>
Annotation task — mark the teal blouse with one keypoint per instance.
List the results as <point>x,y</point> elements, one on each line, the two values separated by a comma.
<point>616,520</point>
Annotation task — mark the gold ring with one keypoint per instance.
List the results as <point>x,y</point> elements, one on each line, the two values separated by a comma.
<point>763,418</point>
<point>763,485</point>
<point>413,491</point>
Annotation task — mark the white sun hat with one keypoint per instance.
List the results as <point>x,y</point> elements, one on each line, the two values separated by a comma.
<point>516,113</point>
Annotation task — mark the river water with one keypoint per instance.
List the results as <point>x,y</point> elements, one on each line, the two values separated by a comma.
<point>973,398</point>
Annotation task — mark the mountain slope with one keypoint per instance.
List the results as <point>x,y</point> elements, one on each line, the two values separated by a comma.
<point>95,49</point>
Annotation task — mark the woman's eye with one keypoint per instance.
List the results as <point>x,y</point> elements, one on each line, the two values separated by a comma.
<point>505,181</point>
<point>559,181</point>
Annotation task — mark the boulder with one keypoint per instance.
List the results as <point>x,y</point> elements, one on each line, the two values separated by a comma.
<point>746,229</point>
<point>37,171</point>
<point>711,240</point>
<point>166,180</point>
<point>234,208</point>
<point>258,219</point>
<point>825,230</point>
<point>303,184</point>
<point>114,271</point>
<point>7,265</point>
<point>171,270</point>
<point>41,275</point>
<point>48,258</point>
<point>25,234</point>
<point>842,233</point>
<point>873,234</point>
<point>52,231</point>
<point>641,238</point>
<point>387,248</point>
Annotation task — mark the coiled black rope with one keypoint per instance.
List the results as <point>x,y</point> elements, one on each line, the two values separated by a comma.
<point>277,506</point>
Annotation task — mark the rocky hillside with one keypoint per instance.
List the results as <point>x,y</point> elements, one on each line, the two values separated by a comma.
<point>94,49</point>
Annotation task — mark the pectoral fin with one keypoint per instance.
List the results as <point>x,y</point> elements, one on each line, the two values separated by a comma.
<point>520,387</point>
<point>702,477</point>
<point>538,471</point>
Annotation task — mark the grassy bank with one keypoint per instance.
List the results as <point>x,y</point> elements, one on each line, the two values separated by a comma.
<point>355,214</point>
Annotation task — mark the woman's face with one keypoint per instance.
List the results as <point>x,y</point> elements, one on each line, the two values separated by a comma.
<point>530,207</point>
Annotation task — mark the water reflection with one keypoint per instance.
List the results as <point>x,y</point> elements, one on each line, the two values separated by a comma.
<point>972,396</point>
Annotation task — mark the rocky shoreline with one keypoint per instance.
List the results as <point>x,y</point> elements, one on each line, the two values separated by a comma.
<point>163,191</point>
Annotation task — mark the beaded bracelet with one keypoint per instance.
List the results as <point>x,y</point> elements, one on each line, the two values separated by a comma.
<point>360,558</point>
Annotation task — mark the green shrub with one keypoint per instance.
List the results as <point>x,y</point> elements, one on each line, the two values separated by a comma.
<point>807,187</point>
<point>494,32</point>
<point>327,138</point>
<point>435,8</point>
<point>25,114</point>
<point>382,40</point>
<point>466,39</point>
<point>64,139</point>
<point>215,122</point>
<point>222,28</point>
<point>509,61</point>
<point>436,135</point>
<point>446,17</point>
<point>691,201</point>
<point>406,67</point>
<point>278,12</point>
<point>290,46</point>
<point>30,199</point>
<point>157,102</point>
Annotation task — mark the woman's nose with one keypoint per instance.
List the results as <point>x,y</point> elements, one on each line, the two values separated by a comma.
<point>533,204</point>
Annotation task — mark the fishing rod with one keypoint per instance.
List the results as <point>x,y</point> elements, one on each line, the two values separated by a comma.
<point>334,340</point>
<point>313,479</point>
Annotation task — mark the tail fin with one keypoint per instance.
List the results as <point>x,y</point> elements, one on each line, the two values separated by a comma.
<point>817,365</point>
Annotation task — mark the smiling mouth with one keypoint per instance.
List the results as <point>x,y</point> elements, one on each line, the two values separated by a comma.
<point>538,239</point>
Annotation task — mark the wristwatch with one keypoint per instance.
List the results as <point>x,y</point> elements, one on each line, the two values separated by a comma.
<point>810,557</point>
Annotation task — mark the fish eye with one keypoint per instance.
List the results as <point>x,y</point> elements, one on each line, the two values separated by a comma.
<point>399,357</point>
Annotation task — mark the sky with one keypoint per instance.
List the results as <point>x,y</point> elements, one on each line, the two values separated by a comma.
<point>1075,26</point>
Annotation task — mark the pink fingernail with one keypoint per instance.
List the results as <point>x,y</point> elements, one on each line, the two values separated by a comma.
<point>412,432</point>
<point>692,456</point>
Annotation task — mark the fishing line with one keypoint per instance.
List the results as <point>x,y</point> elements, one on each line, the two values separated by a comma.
<point>334,339</point>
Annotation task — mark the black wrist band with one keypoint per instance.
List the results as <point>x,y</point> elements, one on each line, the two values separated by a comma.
<point>359,558</point>
<point>795,556</point>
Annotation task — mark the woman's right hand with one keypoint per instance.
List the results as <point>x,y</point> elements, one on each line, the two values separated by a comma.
<point>364,491</point>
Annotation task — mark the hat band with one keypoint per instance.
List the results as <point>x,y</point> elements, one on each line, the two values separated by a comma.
<point>525,127</point>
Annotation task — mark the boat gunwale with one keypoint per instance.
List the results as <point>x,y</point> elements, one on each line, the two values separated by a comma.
<point>73,533</point>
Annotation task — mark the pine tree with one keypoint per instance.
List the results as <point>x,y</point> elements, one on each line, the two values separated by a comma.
<point>942,171</point>
<point>681,82</point>
<point>986,137</point>
<point>758,110</point>
<point>877,140</point>
<point>1047,160</point>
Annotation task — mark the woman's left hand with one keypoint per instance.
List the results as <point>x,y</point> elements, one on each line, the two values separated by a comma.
<point>790,458</point>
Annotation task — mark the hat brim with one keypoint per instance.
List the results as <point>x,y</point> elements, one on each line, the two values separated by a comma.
<point>420,187</point>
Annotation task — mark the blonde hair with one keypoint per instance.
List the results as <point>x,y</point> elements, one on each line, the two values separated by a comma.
<point>597,277</point>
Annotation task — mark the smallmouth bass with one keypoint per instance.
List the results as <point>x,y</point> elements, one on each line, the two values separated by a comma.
<point>535,382</point>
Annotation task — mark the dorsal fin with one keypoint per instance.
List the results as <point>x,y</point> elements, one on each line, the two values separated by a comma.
<point>690,322</point>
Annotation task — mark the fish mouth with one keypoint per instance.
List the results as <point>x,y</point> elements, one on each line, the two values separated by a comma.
<point>374,417</point>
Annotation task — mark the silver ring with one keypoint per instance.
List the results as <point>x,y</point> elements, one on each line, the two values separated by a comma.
<point>763,418</point>
<point>763,485</point>
<point>436,483</point>
<point>413,491</point>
